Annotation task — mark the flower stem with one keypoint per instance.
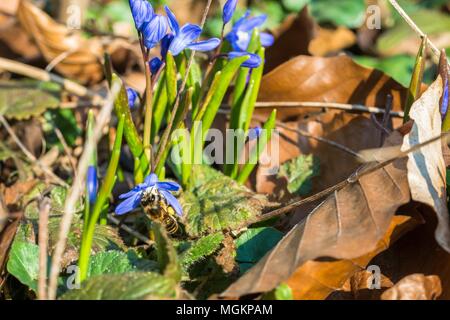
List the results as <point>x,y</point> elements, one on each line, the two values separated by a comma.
<point>148,113</point>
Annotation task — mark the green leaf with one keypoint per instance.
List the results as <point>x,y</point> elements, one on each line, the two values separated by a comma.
<point>282,292</point>
<point>295,5</point>
<point>253,244</point>
<point>348,13</point>
<point>299,171</point>
<point>216,202</point>
<point>166,253</point>
<point>23,263</point>
<point>109,262</point>
<point>24,99</point>
<point>128,286</point>
<point>201,249</point>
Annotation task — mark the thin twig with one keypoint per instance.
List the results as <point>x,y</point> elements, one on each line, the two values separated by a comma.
<point>42,75</point>
<point>328,105</point>
<point>134,233</point>
<point>66,148</point>
<point>352,179</point>
<point>29,155</point>
<point>44,210</point>
<point>166,134</point>
<point>414,26</point>
<point>78,187</point>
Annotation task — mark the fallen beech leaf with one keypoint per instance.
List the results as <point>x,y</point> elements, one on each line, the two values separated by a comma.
<point>336,79</point>
<point>426,167</point>
<point>331,40</point>
<point>317,279</point>
<point>356,218</point>
<point>415,287</point>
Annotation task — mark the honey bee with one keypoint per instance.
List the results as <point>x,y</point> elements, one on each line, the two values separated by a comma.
<point>158,209</point>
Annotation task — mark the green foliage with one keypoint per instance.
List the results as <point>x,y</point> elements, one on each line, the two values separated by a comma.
<point>24,99</point>
<point>64,120</point>
<point>253,244</point>
<point>294,5</point>
<point>216,202</point>
<point>282,292</point>
<point>23,263</point>
<point>127,286</point>
<point>166,253</point>
<point>200,249</point>
<point>299,171</point>
<point>349,13</point>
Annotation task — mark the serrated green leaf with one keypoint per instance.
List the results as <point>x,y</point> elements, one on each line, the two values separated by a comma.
<point>128,286</point>
<point>109,262</point>
<point>253,244</point>
<point>23,263</point>
<point>201,249</point>
<point>22,100</point>
<point>216,202</point>
<point>299,171</point>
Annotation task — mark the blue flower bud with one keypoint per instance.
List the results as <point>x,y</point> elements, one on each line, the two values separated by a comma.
<point>92,184</point>
<point>142,12</point>
<point>228,10</point>
<point>132,96</point>
<point>254,60</point>
<point>444,106</point>
<point>254,133</point>
<point>155,64</point>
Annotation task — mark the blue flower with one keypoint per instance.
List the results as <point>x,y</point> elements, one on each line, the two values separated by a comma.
<point>254,61</point>
<point>154,30</point>
<point>142,12</point>
<point>132,96</point>
<point>185,37</point>
<point>92,184</point>
<point>155,64</point>
<point>132,199</point>
<point>444,106</point>
<point>254,133</point>
<point>228,10</point>
<point>241,33</point>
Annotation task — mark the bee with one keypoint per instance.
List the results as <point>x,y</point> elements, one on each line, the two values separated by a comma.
<point>158,209</point>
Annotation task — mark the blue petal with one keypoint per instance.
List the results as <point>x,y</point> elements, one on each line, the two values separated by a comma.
<point>151,180</point>
<point>155,64</point>
<point>173,23</point>
<point>254,61</point>
<point>444,106</point>
<point>170,186</point>
<point>266,39</point>
<point>129,204</point>
<point>241,20</point>
<point>92,183</point>
<point>253,23</point>
<point>228,10</point>
<point>165,44</point>
<point>154,31</point>
<point>132,96</point>
<point>173,202</point>
<point>142,12</point>
<point>206,45</point>
<point>254,133</point>
<point>188,33</point>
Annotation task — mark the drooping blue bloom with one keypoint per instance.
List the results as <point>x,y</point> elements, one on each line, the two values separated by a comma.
<point>142,12</point>
<point>155,64</point>
<point>132,199</point>
<point>228,10</point>
<point>92,184</point>
<point>254,61</point>
<point>154,30</point>
<point>254,133</point>
<point>185,37</point>
<point>444,106</point>
<point>132,96</point>
<point>241,33</point>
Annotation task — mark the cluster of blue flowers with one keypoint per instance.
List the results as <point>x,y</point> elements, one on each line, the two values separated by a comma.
<point>152,30</point>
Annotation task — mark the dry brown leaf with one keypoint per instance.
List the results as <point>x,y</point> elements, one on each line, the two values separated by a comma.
<point>336,79</point>
<point>415,287</point>
<point>331,40</point>
<point>6,239</point>
<point>317,279</point>
<point>13,194</point>
<point>426,167</point>
<point>347,225</point>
